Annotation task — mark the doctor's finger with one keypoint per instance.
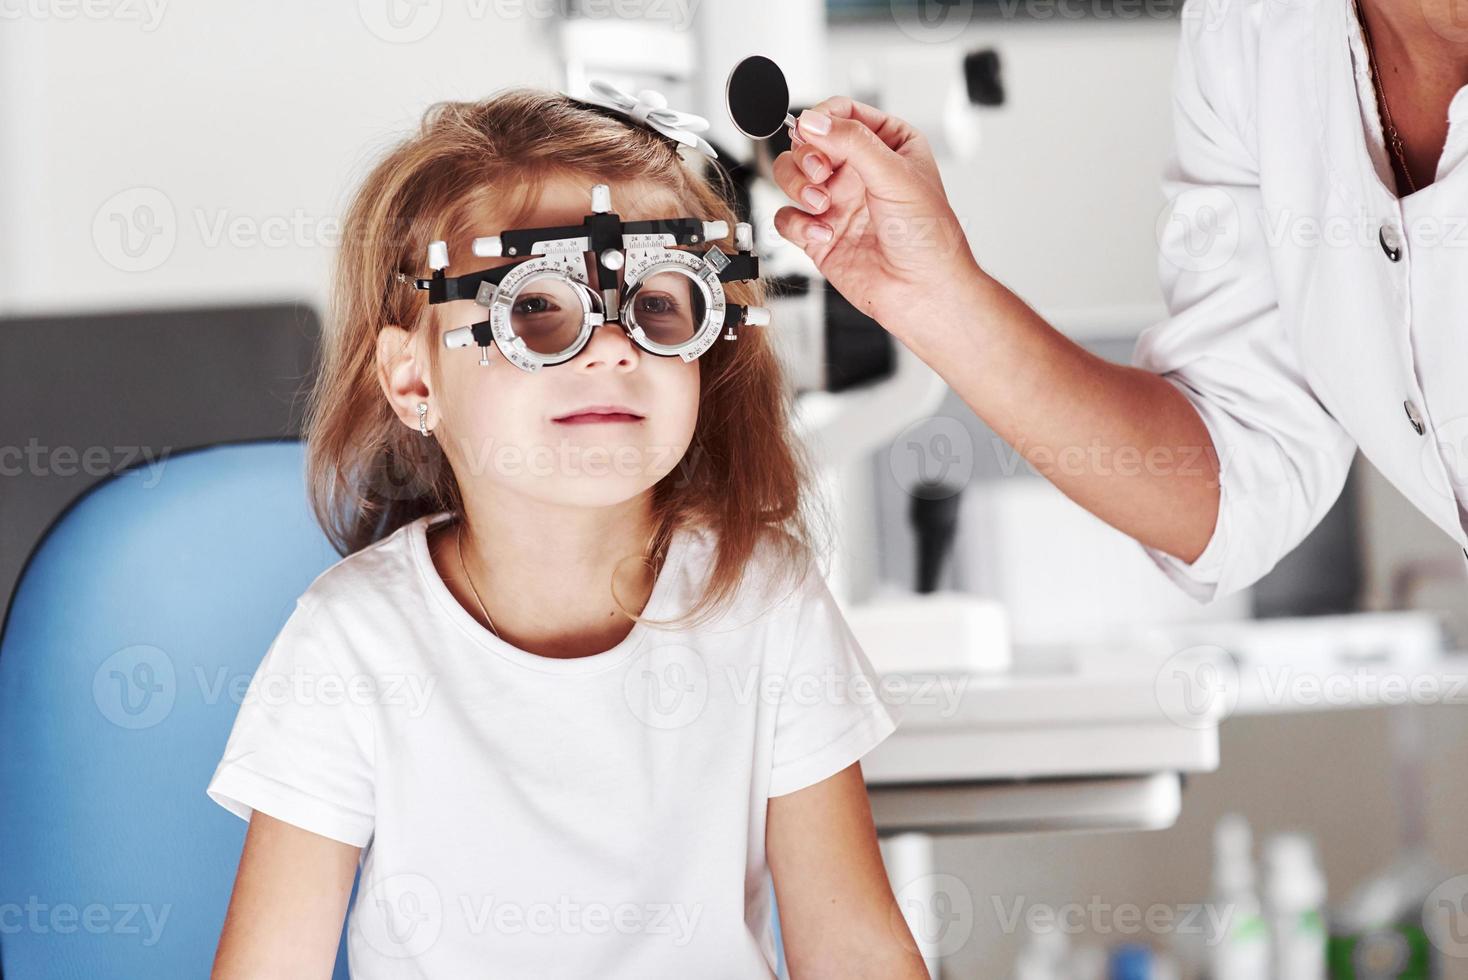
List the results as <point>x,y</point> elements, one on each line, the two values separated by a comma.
<point>801,229</point>
<point>797,185</point>
<point>894,131</point>
<point>851,142</point>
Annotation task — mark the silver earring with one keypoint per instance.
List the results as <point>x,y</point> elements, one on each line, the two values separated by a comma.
<point>423,417</point>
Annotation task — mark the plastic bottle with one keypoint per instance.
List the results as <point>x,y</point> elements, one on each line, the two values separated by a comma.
<point>1130,961</point>
<point>1043,957</point>
<point>1238,940</point>
<point>1294,894</point>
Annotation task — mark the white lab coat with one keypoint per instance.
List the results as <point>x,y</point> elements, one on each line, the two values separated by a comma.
<point>1293,330</point>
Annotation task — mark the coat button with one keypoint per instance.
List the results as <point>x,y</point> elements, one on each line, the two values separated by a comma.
<point>1414,416</point>
<point>1391,242</point>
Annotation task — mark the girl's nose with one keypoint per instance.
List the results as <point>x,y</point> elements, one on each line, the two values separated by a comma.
<point>609,346</point>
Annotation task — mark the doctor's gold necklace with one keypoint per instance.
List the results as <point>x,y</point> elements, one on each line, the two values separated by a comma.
<point>1393,138</point>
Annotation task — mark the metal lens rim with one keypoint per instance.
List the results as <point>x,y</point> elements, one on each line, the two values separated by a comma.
<point>712,304</point>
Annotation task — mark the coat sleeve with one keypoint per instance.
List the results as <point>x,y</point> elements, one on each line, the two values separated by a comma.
<point>1283,457</point>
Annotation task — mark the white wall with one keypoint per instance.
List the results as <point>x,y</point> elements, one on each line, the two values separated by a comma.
<point>1061,201</point>
<point>241,126</point>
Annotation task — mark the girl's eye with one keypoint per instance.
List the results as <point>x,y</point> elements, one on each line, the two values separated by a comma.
<point>531,305</point>
<point>656,305</point>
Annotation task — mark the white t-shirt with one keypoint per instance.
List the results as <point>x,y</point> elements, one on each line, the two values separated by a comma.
<point>526,816</point>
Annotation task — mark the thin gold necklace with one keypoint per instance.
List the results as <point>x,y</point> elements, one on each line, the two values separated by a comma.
<point>1393,138</point>
<point>459,546</point>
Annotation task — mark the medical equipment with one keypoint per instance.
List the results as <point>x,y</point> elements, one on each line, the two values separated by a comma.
<point>544,307</point>
<point>1294,890</point>
<point>758,98</point>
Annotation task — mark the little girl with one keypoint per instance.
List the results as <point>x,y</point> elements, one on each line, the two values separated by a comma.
<point>578,691</point>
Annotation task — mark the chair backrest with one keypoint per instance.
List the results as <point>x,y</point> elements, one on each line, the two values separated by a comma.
<point>137,622</point>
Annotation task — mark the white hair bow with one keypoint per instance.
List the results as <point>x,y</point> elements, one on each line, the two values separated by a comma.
<point>650,108</point>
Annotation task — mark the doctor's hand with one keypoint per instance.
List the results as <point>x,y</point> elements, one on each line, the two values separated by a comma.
<point>873,214</point>
<point>875,220</point>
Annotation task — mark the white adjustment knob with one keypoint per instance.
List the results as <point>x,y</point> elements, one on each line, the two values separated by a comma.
<point>743,237</point>
<point>715,229</point>
<point>462,337</point>
<point>756,316</point>
<point>601,198</point>
<point>613,259</point>
<point>488,247</point>
<point>438,255</point>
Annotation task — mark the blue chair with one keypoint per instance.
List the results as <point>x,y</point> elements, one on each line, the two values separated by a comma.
<point>136,624</point>
<point>134,628</point>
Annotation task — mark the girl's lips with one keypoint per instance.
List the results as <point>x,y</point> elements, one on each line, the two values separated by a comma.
<point>593,418</point>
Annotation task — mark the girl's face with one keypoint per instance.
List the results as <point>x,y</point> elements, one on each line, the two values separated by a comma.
<point>507,429</point>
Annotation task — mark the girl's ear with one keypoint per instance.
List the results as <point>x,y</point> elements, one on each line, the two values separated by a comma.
<point>402,371</point>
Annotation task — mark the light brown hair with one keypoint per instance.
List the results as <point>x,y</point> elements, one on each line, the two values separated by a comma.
<point>745,477</point>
